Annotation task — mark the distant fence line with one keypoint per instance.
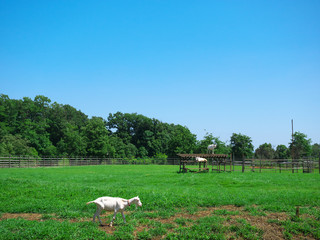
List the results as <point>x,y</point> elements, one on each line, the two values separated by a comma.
<point>31,161</point>
<point>277,165</point>
<point>254,165</point>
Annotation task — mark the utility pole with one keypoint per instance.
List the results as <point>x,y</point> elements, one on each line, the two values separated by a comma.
<point>292,129</point>
<point>292,147</point>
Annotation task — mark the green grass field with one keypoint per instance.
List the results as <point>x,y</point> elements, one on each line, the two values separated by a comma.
<point>50,203</point>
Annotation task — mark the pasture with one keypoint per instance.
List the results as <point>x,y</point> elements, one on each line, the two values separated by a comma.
<point>50,203</point>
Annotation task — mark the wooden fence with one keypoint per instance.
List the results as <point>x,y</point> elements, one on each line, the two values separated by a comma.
<point>245,165</point>
<point>31,162</point>
<point>277,165</point>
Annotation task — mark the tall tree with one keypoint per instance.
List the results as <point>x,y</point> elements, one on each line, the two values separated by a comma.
<point>208,139</point>
<point>73,143</point>
<point>265,151</point>
<point>34,124</point>
<point>282,152</point>
<point>15,145</point>
<point>316,150</point>
<point>202,145</point>
<point>181,141</point>
<point>96,135</point>
<point>62,118</point>
<point>300,146</point>
<point>9,120</point>
<point>121,125</point>
<point>149,136</point>
<point>118,149</point>
<point>4,112</point>
<point>241,145</point>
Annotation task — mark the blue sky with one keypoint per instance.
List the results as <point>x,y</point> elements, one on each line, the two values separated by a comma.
<point>221,67</point>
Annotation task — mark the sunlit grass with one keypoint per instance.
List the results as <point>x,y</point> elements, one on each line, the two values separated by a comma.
<point>63,193</point>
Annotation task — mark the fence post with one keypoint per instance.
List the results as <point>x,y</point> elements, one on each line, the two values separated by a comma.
<point>319,163</point>
<point>292,165</point>
<point>279,166</point>
<point>260,164</point>
<point>242,163</point>
<point>252,165</point>
<point>233,158</point>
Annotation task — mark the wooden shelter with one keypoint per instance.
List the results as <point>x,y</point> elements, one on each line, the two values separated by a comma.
<point>188,162</point>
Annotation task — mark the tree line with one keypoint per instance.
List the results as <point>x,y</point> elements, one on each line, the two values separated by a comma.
<point>40,128</point>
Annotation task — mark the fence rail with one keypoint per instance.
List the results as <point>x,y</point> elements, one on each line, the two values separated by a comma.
<point>31,162</point>
<point>254,165</point>
<point>277,165</point>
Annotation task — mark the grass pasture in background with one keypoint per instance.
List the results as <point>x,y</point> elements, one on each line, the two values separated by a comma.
<point>60,196</point>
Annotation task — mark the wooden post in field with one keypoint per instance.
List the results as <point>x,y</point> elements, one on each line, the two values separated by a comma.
<point>252,165</point>
<point>233,158</point>
<point>297,212</point>
<point>292,166</point>
<point>242,163</point>
<point>279,166</point>
<point>260,164</point>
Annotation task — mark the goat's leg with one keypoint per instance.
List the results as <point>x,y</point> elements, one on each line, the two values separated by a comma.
<point>99,219</point>
<point>124,218</point>
<point>113,218</point>
<point>97,214</point>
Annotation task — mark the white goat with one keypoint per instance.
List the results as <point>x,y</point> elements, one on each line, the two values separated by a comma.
<point>211,148</point>
<point>200,159</point>
<point>113,204</point>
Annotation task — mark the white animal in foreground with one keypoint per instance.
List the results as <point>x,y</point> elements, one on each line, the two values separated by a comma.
<point>113,204</point>
<point>211,148</point>
<point>200,159</point>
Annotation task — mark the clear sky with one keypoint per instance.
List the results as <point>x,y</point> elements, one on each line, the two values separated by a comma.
<point>221,67</point>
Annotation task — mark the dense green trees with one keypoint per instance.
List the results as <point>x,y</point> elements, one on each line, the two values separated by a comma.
<point>15,145</point>
<point>316,150</point>
<point>241,145</point>
<point>222,147</point>
<point>282,152</point>
<point>39,127</point>
<point>265,151</point>
<point>137,135</point>
<point>300,146</point>
<point>29,120</point>
<point>45,129</point>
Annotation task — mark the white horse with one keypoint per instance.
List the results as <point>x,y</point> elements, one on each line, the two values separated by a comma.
<point>211,148</point>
